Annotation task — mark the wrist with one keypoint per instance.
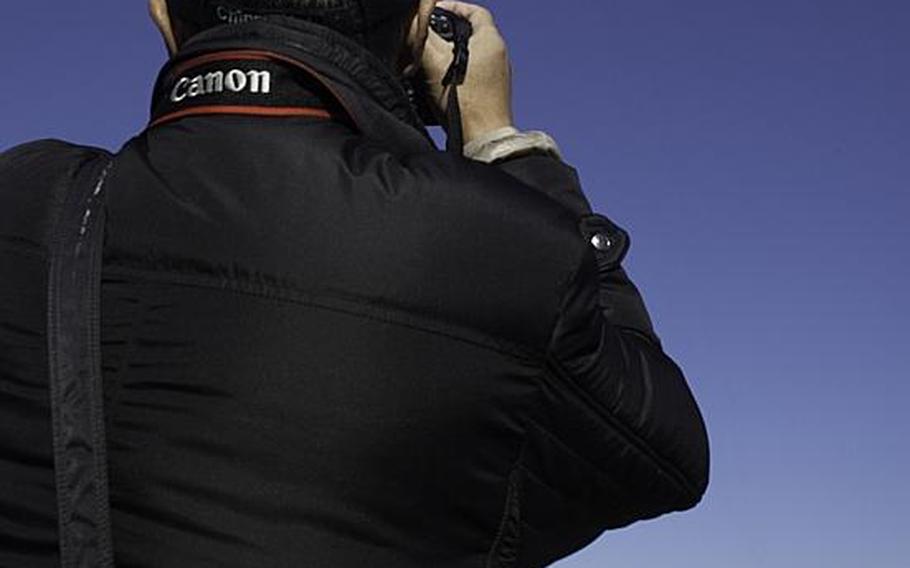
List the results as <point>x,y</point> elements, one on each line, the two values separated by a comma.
<point>475,128</point>
<point>509,142</point>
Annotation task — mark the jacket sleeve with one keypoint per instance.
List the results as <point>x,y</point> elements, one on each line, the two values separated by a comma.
<point>619,400</point>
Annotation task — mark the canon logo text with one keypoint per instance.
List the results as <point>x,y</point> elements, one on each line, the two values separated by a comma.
<point>234,81</point>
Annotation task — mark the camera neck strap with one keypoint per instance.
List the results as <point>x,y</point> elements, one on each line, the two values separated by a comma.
<point>459,33</point>
<point>243,82</point>
<point>75,377</point>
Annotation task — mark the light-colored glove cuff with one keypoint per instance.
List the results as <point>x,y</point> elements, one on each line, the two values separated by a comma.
<point>509,142</point>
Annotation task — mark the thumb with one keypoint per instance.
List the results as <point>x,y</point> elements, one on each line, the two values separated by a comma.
<point>477,15</point>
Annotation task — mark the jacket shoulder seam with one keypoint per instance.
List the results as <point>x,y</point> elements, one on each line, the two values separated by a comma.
<point>348,305</point>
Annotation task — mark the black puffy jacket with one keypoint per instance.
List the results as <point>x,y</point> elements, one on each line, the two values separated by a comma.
<point>325,343</point>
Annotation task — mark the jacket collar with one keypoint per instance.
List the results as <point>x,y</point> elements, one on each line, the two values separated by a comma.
<point>370,93</point>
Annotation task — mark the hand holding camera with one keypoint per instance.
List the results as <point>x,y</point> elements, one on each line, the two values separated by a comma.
<point>486,93</point>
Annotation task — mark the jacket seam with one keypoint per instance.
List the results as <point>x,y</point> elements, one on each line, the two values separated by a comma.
<point>351,306</point>
<point>514,493</point>
<point>541,430</point>
<point>626,432</point>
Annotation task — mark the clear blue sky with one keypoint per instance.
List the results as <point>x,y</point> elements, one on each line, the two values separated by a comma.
<point>759,154</point>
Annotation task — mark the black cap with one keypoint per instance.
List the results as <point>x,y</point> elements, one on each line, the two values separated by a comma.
<point>378,25</point>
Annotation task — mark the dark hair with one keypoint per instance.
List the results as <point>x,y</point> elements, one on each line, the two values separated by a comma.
<point>378,25</point>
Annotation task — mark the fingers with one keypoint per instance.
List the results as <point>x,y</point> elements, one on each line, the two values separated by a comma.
<point>437,45</point>
<point>477,15</point>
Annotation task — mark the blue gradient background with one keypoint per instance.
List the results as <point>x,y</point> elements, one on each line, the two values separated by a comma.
<point>759,154</point>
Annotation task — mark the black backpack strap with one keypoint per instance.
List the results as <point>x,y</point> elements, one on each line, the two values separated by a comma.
<point>74,363</point>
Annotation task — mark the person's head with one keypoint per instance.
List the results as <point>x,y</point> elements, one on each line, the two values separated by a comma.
<point>393,30</point>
